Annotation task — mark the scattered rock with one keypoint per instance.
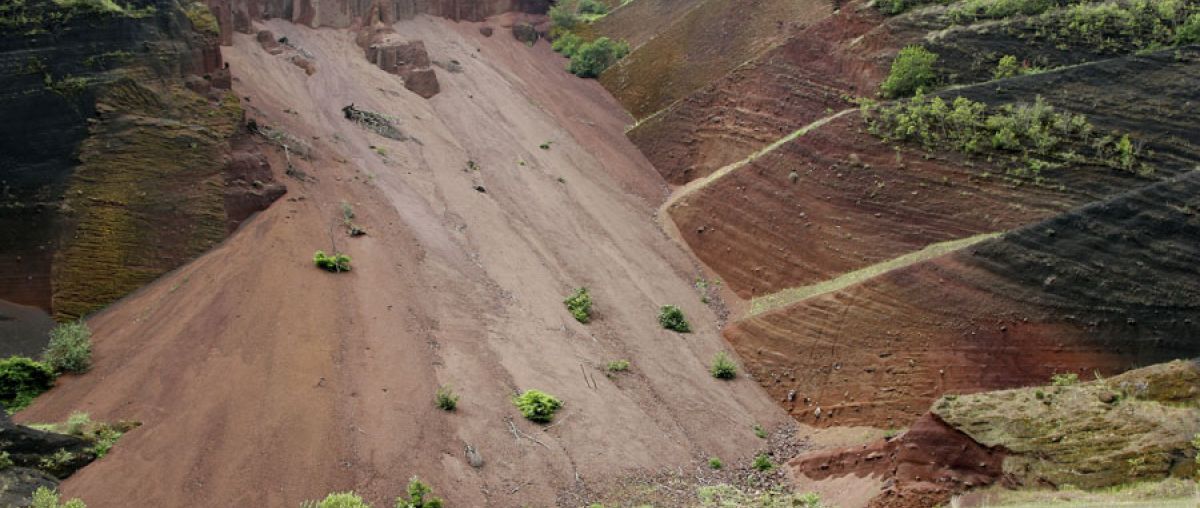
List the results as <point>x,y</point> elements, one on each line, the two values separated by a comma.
<point>525,32</point>
<point>486,30</point>
<point>474,458</point>
<point>267,40</point>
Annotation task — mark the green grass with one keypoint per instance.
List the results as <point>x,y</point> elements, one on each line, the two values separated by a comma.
<point>335,263</point>
<point>618,366</point>
<point>445,398</point>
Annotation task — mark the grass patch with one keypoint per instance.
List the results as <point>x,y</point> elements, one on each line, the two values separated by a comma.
<point>537,406</point>
<point>45,497</point>
<point>70,348</point>
<point>617,366</point>
<point>762,463</point>
<point>715,463</point>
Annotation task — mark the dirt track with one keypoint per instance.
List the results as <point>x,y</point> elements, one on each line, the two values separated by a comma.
<point>262,381</point>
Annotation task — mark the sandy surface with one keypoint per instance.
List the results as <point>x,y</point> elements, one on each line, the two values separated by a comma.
<point>262,381</point>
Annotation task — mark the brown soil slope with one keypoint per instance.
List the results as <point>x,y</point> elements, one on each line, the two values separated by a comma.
<point>837,199</point>
<point>1106,288</point>
<point>703,45</point>
<point>784,89</point>
<point>261,380</point>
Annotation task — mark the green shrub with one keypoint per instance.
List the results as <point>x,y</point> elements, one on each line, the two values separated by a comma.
<point>564,15</point>
<point>335,263</point>
<point>715,463</point>
<point>537,405</point>
<point>912,72</point>
<point>592,58</point>
<point>1067,379</point>
<point>77,423</point>
<point>972,10</point>
<point>671,318</point>
<point>5,460</point>
<point>70,348</point>
<point>445,398</point>
<point>567,44</point>
<point>894,7</point>
<point>760,431</point>
<point>1189,31</point>
<point>44,497</point>
<point>728,496</point>
<point>21,380</point>
<point>338,500</point>
<point>417,490</point>
<point>762,463</point>
<point>1007,68</point>
<point>592,7</point>
<point>580,305</point>
<point>723,367</point>
<point>618,366</point>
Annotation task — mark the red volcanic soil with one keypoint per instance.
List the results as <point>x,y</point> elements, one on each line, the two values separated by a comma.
<point>923,466</point>
<point>1103,289</point>
<point>838,199</point>
<point>701,46</point>
<point>261,380</point>
<point>794,84</point>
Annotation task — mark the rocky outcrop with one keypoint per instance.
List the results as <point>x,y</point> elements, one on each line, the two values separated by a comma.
<point>238,15</point>
<point>1137,426</point>
<point>389,51</point>
<point>125,118</point>
<point>38,459</point>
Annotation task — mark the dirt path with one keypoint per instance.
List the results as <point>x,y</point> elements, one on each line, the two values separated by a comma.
<point>262,381</point>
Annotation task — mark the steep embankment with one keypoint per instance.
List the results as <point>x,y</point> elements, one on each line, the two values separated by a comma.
<point>261,380</point>
<point>116,162</point>
<point>702,45</point>
<point>1105,288</point>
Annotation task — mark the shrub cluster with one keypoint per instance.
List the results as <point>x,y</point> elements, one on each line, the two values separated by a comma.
<point>70,348</point>
<point>537,406</point>
<point>418,491</point>
<point>762,463</point>
<point>618,366</point>
<point>589,59</point>
<point>723,367</point>
<point>912,72</point>
<point>1123,25</point>
<point>45,497</point>
<point>1067,379</point>
<point>1036,136</point>
<point>335,263</point>
<point>21,380</point>
<point>671,318</point>
<point>580,305</point>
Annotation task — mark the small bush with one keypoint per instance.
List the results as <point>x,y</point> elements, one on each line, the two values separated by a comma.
<point>417,490</point>
<point>618,366</point>
<point>760,431</point>
<point>537,405</point>
<point>1189,31</point>
<point>592,7</point>
<point>338,500</point>
<point>1007,68</point>
<point>77,423</point>
<point>592,58</point>
<point>580,305</point>
<point>671,318</point>
<point>715,463</point>
<point>567,44</point>
<point>47,498</point>
<point>564,15</point>
<point>912,72</point>
<point>335,263</point>
<point>724,368</point>
<point>446,399</point>
<point>21,380</point>
<point>70,348</point>
<point>762,463</point>
<point>1067,379</point>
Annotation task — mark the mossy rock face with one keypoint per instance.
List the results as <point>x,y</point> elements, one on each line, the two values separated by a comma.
<point>1135,426</point>
<point>146,196</point>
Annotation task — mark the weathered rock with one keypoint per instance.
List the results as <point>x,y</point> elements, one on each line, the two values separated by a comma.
<point>525,32</point>
<point>407,59</point>
<point>267,40</point>
<point>423,82</point>
<point>40,459</point>
<point>486,30</point>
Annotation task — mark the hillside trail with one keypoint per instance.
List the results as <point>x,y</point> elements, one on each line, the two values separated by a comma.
<point>260,380</point>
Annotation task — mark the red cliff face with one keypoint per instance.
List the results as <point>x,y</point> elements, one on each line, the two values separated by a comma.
<point>238,14</point>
